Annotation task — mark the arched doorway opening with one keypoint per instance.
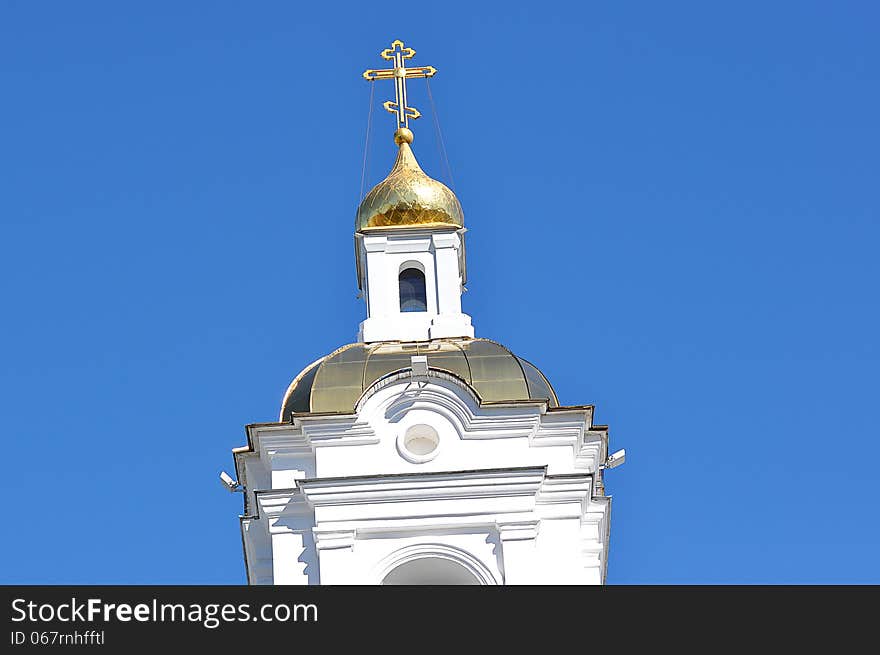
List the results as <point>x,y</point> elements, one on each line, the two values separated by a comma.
<point>430,571</point>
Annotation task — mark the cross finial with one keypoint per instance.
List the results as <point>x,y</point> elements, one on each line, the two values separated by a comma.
<point>397,53</point>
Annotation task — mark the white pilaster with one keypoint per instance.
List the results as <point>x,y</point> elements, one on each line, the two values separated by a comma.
<point>335,556</point>
<point>288,567</point>
<point>521,565</point>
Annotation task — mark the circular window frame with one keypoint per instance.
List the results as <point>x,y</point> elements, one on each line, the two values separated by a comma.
<point>417,458</point>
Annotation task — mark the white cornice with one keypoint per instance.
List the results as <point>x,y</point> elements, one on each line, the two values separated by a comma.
<point>565,490</point>
<point>442,486</point>
<point>281,502</point>
<point>304,434</point>
<point>336,431</point>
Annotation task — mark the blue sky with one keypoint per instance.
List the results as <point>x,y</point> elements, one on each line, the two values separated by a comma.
<point>672,208</point>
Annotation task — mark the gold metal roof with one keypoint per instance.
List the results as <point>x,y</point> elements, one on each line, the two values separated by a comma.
<point>408,197</point>
<point>335,383</point>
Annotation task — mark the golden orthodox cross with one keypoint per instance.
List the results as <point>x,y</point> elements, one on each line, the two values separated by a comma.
<point>397,52</point>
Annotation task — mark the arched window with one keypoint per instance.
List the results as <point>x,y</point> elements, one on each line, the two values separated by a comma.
<point>430,571</point>
<point>413,297</point>
<point>433,564</point>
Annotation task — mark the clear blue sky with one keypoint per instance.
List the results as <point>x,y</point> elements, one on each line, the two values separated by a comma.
<point>673,210</point>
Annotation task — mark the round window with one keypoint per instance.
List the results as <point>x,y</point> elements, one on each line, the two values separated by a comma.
<point>419,443</point>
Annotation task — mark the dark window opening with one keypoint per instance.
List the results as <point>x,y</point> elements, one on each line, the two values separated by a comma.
<point>413,297</point>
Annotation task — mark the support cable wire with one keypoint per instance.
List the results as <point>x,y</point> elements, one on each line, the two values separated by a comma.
<point>439,135</point>
<point>367,141</point>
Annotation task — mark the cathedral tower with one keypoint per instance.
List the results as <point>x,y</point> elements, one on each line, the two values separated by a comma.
<point>420,454</point>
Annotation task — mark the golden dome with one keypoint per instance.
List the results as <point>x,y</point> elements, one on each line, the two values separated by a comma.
<point>335,383</point>
<point>408,197</point>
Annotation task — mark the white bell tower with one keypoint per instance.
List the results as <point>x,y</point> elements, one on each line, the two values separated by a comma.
<point>411,273</point>
<point>420,454</point>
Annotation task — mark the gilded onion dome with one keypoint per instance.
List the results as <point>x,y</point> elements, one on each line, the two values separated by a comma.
<point>408,197</point>
<point>335,383</point>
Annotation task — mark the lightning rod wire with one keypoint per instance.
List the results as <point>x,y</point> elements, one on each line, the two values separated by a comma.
<point>367,141</point>
<point>439,134</point>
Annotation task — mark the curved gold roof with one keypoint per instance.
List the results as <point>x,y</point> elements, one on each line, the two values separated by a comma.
<point>408,197</point>
<point>335,383</point>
